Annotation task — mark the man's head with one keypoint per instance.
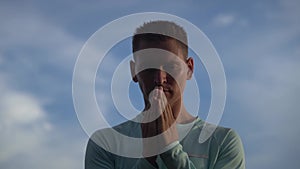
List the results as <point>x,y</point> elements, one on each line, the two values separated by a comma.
<point>160,59</point>
<point>159,31</point>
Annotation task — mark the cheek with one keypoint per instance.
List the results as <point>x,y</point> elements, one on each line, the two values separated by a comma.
<point>145,85</point>
<point>179,79</point>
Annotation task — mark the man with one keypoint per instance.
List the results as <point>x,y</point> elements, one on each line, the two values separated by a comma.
<point>169,134</point>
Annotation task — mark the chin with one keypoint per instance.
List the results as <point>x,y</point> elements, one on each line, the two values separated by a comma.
<point>173,100</point>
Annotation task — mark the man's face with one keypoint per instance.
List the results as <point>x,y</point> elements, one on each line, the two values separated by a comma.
<point>162,65</point>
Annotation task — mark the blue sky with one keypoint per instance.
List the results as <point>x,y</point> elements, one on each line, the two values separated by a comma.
<point>258,43</point>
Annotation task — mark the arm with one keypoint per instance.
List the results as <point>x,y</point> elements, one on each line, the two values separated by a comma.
<point>96,157</point>
<point>166,136</point>
<point>174,158</point>
<point>231,153</point>
<point>177,158</point>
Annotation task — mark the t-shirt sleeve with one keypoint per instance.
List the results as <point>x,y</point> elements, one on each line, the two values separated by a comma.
<point>96,157</point>
<point>231,154</point>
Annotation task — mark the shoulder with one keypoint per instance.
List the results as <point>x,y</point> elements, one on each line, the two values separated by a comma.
<point>125,128</point>
<point>107,137</point>
<point>224,135</point>
<point>225,145</point>
<point>220,134</point>
<point>113,139</point>
<point>128,128</point>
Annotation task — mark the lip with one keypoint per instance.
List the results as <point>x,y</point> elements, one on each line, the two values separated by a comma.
<point>159,88</point>
<point>165,90</point>
<point>162,88</point>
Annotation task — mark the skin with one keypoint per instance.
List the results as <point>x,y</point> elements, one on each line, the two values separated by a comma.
<point>162,71</point>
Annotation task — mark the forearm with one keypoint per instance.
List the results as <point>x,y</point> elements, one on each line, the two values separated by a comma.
<point>174,158</point>
<point>177,158</point>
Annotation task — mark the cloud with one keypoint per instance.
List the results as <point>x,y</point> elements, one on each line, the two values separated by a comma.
<point>21,118</point>
<point>265,91</point>
<point>36,53</point>
<point>27,111</point>
<point>223,20</point>
<point>268,101</point>
<point>27,35</point>
<point>35,56</point>
<point>29,139</point>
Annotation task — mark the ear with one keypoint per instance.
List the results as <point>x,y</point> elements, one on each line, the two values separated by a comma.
<point>132,70</point>
<point>190,64</point>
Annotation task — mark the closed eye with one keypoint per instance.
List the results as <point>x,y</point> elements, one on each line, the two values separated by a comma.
<point>172,67</point>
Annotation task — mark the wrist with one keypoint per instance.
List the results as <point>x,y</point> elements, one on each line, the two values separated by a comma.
<point>152,161</point>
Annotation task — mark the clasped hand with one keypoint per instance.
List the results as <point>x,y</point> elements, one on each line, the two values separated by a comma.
<point>159,125</point>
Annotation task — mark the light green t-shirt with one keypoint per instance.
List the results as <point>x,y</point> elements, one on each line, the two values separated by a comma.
<point>223,149</point>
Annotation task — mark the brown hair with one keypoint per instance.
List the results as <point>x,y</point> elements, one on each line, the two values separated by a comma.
<point>156,31</point>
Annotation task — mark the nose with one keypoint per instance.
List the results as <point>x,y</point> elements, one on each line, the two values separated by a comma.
<point>160,77</point>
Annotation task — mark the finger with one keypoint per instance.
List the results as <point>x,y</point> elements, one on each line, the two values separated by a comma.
<point>157,101</point>
<point>166,119</point>
<point>156,106</point>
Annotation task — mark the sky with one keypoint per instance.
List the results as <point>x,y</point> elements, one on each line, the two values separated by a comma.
<point>258,43</point>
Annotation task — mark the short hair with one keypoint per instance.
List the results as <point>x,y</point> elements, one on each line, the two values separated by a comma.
<point>157,31</point>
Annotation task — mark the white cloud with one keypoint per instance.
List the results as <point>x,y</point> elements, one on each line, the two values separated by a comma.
<point>267,96</point>
<point>25,30</point>
<point>30,138</point>
<point>20,108</point>
<point>266,89</point>
<point>223,20</point>
<point>22,118</point>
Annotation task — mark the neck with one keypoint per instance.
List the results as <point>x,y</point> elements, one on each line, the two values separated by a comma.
<point>184,116</point>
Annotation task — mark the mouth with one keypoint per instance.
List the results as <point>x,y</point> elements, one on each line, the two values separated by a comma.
<point>164,89</point>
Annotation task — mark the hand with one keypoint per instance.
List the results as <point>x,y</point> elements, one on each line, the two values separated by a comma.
<point>159,121</point>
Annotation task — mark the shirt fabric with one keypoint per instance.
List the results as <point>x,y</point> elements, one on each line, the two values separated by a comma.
<point>222,150</point>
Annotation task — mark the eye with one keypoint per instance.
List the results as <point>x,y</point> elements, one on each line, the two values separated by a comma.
<point>172,67</point>
<point>146,72</point>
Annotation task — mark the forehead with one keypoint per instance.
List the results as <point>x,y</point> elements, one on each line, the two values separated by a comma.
<point>167,49</point>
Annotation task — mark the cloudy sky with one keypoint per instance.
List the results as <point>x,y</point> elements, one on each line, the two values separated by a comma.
<point>258,43</point>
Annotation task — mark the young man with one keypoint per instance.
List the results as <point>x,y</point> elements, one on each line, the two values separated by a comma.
<point>169,134</point>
